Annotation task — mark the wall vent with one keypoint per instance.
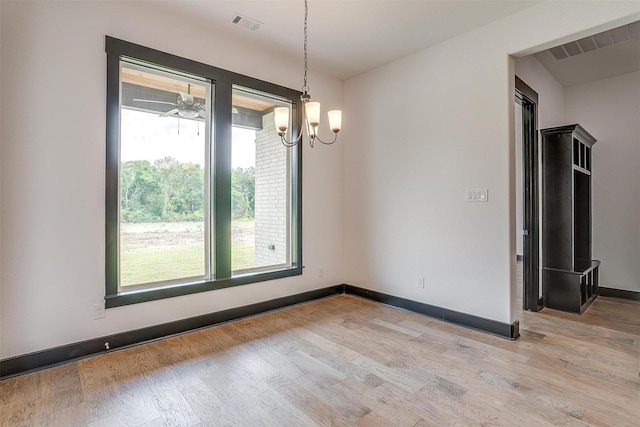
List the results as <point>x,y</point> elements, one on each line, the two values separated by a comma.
<point>597,41</point>
<point>246,22</point>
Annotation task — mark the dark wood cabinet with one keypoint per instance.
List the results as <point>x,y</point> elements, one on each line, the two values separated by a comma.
<point>569,274</point>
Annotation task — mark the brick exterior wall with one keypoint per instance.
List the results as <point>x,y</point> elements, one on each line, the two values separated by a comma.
<point>271,203</point>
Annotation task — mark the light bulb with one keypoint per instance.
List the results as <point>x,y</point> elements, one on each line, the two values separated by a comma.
<point>312,110</point>
<point>188,113</point>
<point>335,120</point>
<point>281,117</point>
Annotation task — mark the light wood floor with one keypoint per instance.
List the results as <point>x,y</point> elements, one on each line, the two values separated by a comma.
<point>347,361</point>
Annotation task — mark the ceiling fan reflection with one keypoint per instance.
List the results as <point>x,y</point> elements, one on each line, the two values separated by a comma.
<point>185,107</point>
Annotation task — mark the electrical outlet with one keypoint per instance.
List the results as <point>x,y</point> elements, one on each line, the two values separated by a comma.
<point>421,282</point>
<point>99,311</point>
<point>321,272</point>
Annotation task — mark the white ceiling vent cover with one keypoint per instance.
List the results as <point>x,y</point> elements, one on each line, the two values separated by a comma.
<point>597,41</point>
<point>246,22</point>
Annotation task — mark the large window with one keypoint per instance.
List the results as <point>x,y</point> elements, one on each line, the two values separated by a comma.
<point>200,193</point>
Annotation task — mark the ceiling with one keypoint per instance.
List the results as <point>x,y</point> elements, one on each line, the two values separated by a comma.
<point>346,38</point>
<point>607,54</point>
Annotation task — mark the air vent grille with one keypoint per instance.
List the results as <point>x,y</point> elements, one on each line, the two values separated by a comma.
<point>246,22</point>
<point>603,40</point>
<point>587,44</point>
<point>597,41</point>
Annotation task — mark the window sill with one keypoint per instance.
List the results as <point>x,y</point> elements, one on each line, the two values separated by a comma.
<point>146,295</point>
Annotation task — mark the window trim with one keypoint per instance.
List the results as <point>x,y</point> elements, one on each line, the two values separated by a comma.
<point>221,176</point>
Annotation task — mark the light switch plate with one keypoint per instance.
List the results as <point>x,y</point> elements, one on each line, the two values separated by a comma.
<point>477,195</point>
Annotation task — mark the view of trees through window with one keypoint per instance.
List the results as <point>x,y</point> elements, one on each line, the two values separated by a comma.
<point>163,215</point>
<point>163,190</point>
<point>164,163</point>
<point>165,179</point>
<point>200,192</point>
<point>168,190</point>
<point>162,202</point>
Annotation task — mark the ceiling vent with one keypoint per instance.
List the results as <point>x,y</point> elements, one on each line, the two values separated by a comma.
<point>597,41</point>
<point>246,22</point>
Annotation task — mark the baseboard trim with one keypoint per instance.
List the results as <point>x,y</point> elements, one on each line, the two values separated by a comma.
<point>619,293</point>
<point>39,360</point>
<point>504,330</point>
<point>27,363</point>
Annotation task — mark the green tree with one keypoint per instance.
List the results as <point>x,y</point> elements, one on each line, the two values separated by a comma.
<point>243,192</point>
<point>138,188</point>
<point>166,190</point>
<point>189,203</point>
<point>170,181</point>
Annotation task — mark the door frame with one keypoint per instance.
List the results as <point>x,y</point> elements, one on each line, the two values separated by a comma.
<point>528,99</point>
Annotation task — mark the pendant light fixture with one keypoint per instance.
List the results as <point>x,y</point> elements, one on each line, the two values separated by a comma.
<point>311,109</point>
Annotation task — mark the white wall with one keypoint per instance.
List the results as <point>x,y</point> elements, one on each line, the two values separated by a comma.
<point>609,109</point>
<point>53,170</point>
<point>425,128</point>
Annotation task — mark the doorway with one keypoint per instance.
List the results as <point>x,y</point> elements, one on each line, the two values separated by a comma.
<point>527,195</point>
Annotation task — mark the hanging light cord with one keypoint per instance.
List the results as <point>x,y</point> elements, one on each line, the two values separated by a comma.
<point>305,94</point>
<point>305,88</point>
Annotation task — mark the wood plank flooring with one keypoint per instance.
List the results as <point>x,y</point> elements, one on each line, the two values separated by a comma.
<point>346,361</point>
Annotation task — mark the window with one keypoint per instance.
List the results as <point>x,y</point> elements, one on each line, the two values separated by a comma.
<point>260,190</point>
<point>200,193</point>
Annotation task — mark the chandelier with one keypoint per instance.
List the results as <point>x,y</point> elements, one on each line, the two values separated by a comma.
<point>311,109</point>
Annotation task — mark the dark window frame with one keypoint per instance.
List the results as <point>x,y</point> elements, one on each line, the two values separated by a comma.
<point>221,174</point>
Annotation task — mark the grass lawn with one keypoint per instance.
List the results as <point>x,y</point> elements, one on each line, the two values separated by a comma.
<point>152,263</point>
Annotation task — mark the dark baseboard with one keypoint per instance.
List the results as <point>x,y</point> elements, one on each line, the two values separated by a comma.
<point>618,293</point>
<point>48,358</point>
<point>505,330</point>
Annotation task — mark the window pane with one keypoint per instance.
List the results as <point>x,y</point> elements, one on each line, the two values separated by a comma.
<point>260,181</point>
<point>163,177</point>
